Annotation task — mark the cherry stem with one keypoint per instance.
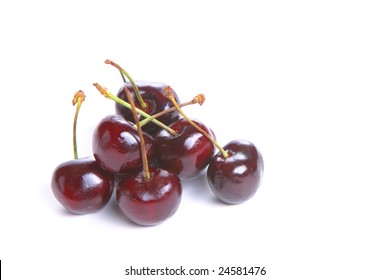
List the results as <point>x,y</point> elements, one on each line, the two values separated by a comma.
<point>141,137</point>
<point>78,99</point>
<point>170,95</point>
<point>123,76</point>
<point>123,72</point>
<point>113,97</point>
<point>199,99</point>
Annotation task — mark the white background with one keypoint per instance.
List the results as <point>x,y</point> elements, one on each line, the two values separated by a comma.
<point>306,81</point>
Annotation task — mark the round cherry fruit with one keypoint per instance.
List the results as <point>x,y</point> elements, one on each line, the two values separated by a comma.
<point>185,154</point>
<point>236,178</point>
<point>152,94</point>
<point>116,145</point>
<point>81,186</point>
<point>149,202</point>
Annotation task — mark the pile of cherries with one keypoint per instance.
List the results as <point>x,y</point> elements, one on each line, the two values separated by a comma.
<point>146,151</point>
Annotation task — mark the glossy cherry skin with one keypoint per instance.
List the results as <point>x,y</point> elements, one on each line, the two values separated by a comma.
<point>116,145</point>
<point>236,178</point>
<point>185,154</point>
<point>153,95</point>
<point>150,202</point>
<point>81,186</point>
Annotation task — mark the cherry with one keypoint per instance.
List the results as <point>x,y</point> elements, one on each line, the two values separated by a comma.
<point>148,118</point>
<point>151,196</point>
<point>116,145</point>
<point>236,178</point>
<point>189,151</point>
<point>149,202</point>
<point>185,154</point>
<point>148,96</point>
<point>80,185</point>
<point>152,94</point>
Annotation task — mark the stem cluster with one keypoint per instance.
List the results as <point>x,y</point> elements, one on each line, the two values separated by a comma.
<point>198,99</point>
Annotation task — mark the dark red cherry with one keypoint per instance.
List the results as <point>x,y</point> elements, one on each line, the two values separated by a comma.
<point>116,145</point>
<point>153,95</point>
<point>149,202</point>
<point>236,179</point>
<point>81,186</point>
<point>185,154</point>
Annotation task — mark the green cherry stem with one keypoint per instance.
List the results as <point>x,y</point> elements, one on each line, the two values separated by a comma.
<point>78,99</point>
<point>144,156</point>
<point>123,72</point>
<point>199,99</point>
<point>123,76</point>
<point>169,93</point>
<point>113,97</point>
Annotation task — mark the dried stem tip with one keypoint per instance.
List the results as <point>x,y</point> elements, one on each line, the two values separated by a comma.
<point>78,97</point>
<point>107,61</point>
<point>104,91</point>
<point>200,99</point>
<point>168,91</point>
